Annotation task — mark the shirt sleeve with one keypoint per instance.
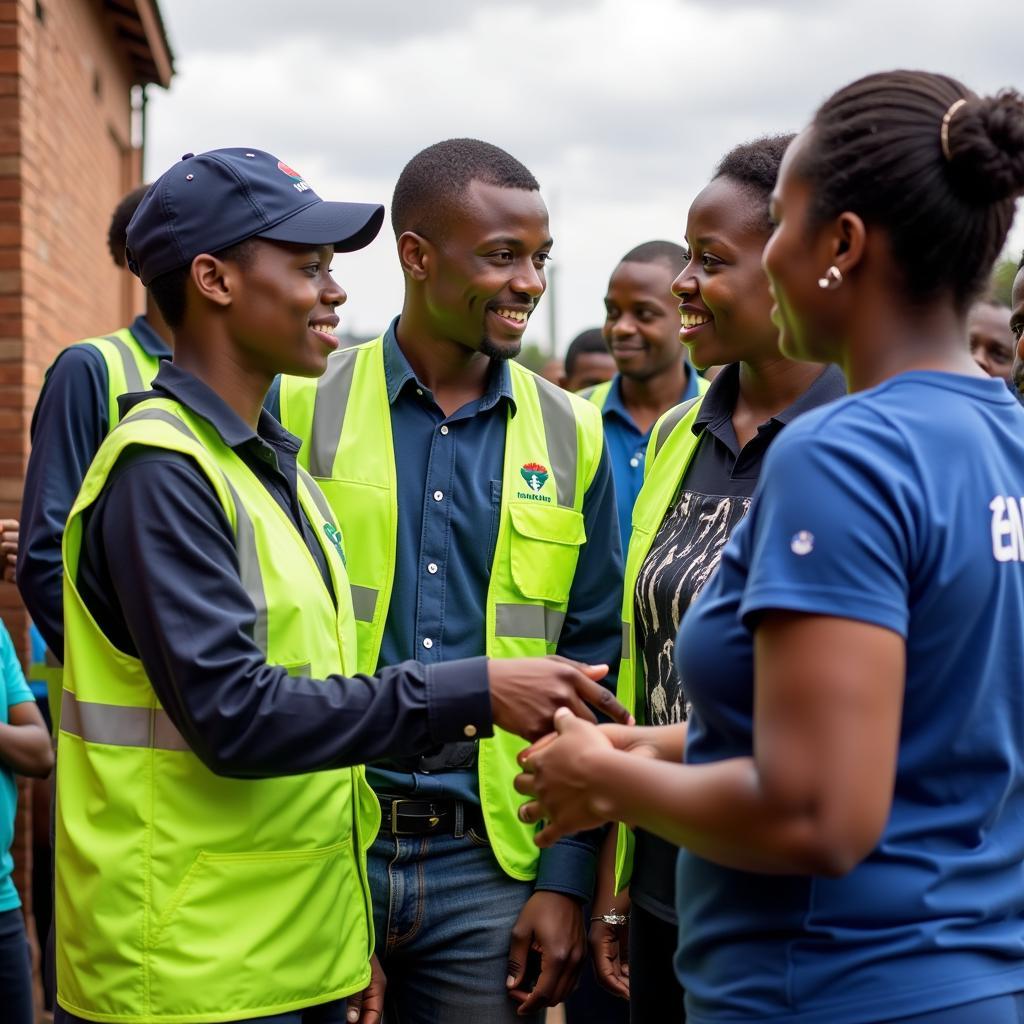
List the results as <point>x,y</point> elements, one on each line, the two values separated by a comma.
<point>592,634</point>
<point>170,554</point>
<point>834,523</point>
<point>68,426</point>
<point>17,689</point>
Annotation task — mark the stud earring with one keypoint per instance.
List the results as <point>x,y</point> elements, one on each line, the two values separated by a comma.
<point>832,280</point>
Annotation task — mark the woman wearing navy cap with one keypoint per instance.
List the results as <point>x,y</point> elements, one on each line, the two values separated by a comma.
<point>853,794</point>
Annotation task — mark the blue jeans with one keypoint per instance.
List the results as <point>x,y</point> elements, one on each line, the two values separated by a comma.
<point>15,970</point>
<point>443,912</point>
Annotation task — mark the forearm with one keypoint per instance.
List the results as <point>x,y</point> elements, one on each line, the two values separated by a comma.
<point>26,749</point>
<point>267,723</point>
<point>719,811</point>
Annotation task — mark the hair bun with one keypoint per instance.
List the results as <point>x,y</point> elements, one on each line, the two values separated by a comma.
<point>986,148</point>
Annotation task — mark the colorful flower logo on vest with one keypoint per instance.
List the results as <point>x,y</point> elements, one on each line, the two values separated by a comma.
<point>535,475</point>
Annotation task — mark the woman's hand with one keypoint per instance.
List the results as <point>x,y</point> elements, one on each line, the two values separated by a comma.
<point>560,771</point>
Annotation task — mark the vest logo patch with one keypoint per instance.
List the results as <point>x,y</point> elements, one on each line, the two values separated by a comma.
<point>535,475</point>
<point>334,536</point>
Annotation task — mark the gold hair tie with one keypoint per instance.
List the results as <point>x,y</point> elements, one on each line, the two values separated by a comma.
<point>944,131</point>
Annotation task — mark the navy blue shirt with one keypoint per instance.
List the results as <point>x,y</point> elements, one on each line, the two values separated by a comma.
<point>159,573</point>
<point>902,507</point>
<point>627,448</point>
<point>70,421</point>
<point>444,555</point>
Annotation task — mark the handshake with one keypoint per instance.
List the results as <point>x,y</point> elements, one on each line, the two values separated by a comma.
<point>526,693</point>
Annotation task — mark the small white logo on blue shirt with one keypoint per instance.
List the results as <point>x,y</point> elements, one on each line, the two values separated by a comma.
<point>802,543</point>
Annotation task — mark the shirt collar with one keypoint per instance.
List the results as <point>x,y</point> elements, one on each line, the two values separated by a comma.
<point>720,399</point>
<point>198,397</point>
<point>152,344</point>
<point>398,374</point>
<point>615,405</point>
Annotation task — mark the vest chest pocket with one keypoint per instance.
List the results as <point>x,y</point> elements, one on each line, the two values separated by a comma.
<point>545,547</point>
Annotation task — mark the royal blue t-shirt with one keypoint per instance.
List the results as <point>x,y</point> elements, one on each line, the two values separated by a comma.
<point>902,506</point>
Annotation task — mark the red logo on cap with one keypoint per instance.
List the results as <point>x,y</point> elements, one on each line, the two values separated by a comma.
<point>298,183</point>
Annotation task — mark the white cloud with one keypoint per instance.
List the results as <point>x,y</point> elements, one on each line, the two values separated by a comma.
<point>620,107</point>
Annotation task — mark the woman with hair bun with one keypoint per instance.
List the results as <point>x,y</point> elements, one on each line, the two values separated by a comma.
<point>851,805</point>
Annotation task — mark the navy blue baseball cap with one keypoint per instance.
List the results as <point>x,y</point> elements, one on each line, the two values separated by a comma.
<point>208,202</point>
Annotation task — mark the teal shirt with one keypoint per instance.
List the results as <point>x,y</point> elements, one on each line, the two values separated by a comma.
<point>13,690</point>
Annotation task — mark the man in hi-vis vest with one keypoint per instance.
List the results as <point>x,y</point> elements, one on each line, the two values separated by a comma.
<point>478,511</point>
<point>212,817</point>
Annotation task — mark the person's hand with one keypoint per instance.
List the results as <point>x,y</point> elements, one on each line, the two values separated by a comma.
<point>8,549</point>
<point>634,739</point>
<point>550,924</point>
<point>609,946</point>
<point>559,773</point>
<point>367,1007</point>
<point>526,693</point>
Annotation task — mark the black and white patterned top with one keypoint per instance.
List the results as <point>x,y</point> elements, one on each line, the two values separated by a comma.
<point>713,497</point>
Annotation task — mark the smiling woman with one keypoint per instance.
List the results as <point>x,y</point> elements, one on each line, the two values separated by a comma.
<point>703,464</point>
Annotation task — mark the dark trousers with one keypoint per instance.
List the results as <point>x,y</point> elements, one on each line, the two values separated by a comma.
<point>654,992</point>
<point>15,970</point>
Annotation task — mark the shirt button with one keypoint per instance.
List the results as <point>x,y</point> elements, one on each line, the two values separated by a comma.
<point>469,731</point>
<point>634,462</point>
<point>419,391</point>
<point>432,568</point>
<point>438,495</point>
<point>427,642</point>
<point>444,430</point>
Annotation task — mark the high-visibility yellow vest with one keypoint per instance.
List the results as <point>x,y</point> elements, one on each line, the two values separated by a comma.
<point>130,368</point>
<point>669,454</point>
<point>185,896</point>
<point>552,450</point>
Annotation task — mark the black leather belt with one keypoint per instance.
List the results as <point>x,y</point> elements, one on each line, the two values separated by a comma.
<point>401,816</point>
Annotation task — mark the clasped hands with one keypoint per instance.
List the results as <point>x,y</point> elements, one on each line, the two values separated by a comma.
<point>565,773</point>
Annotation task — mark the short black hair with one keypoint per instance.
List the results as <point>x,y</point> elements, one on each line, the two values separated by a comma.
<point>169,290</point>
<point>590,340</point>
<point>944,194</point>
<point>437,177</point>
<point>755,166</point>
<point>658,251</point>
<point>117,233</point>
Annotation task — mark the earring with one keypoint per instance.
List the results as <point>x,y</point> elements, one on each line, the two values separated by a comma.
<point>832,280</point>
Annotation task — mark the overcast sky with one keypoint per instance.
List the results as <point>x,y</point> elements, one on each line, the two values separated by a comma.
<point>621,108</point>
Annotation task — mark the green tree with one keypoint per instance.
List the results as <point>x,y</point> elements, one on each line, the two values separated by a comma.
<point>532,356</point>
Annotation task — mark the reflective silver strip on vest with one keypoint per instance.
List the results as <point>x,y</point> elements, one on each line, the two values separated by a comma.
<point>249,569</point>
<point>364,602</point>
<point>528,621</point>
<point>245,533</point>
<point>132,377</point>
<point>560,434</point>
<point>329,405</point>
<point>119,726</point>
<point>625,640</point>
<point>672,420</point>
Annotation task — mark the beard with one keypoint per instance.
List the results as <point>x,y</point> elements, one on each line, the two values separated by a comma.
<point>500,352</point>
